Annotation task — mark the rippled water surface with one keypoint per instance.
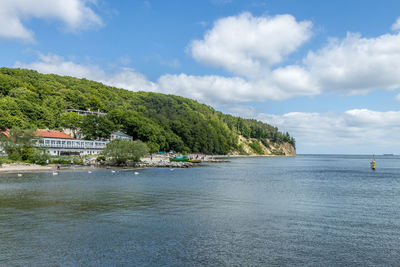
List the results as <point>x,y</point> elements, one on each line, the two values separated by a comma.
<point>306,210</point>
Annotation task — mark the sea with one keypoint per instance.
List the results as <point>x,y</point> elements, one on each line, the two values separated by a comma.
<point>308,210</point>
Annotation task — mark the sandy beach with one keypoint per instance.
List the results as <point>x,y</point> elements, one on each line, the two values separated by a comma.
<point>24,167</point>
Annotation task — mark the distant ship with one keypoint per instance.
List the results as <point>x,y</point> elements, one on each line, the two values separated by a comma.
<point>388,154</point>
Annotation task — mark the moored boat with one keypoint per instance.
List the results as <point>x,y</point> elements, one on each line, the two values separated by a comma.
<point>179,159</point>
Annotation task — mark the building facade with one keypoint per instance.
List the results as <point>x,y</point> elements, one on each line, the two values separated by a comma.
<point>59,143</point>
<point>120,135</point>
<point>87,112</point>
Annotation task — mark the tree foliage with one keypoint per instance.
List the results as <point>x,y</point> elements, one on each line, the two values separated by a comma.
<point>95,127</point>
<point>120,151</point>
<point>29,99</point>
<point>19,145</point>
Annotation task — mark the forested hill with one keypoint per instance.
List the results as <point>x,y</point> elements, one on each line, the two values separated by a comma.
<point>29,99</point>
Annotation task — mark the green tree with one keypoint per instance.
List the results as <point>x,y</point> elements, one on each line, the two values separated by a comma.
<point>71,120</point>
<point>166,122</point>
<point>19,145</point>
<point>94,127</point>
<point>120,151</point>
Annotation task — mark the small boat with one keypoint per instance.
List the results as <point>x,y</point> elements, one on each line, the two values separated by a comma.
<point>195,160</point>
<point>136,173</point>
<point>179,159</point>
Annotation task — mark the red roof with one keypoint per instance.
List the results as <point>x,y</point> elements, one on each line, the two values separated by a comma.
<point>52,134</point>
<point>6,132</point>
<point>44,133</point>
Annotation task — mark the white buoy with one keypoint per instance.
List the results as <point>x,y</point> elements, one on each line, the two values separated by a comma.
<point>19,174</point>
<point>136,173</point>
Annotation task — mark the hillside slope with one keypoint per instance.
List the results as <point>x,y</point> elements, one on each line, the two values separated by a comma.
<point>29,99</point>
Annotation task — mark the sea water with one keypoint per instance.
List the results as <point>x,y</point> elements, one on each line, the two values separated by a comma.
<point>305,210</point>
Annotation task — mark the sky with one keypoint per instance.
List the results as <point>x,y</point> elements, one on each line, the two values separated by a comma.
<point>328,72</point>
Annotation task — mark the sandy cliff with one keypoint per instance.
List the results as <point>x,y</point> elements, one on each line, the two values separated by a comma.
<point>267,148</point>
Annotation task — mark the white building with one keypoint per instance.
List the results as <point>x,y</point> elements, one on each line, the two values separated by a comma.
<point>59,143</point>
<point>87,112</point>
<point>120,135</point>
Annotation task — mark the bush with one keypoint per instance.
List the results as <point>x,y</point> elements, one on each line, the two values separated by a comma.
<point>27,153</point>
<point>14,156</point>
<point>65,161</point>
<point>101,158</point>
<point>60,161</point>
<point>123,150</point>
<point>256,147</point>
<point>40,157</point>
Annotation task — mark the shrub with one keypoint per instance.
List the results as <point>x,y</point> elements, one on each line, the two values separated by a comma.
<point>123,150</point>
<point>101,158</point>
<point>256,147</point>
<point>40,157</point>
<point>27,153</point>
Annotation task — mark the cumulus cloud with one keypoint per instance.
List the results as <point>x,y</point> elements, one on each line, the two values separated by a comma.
<point>357,65</point>
<point>254,48</point>
<point>246,45</point>
<point>75,14</point>
<point>396,25</point>
<point>353,65</point>
<point>58,65</point>
<point>366,130</point>
<point>211,89</point>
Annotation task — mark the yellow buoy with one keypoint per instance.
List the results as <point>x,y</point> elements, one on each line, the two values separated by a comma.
<point>373,163</point>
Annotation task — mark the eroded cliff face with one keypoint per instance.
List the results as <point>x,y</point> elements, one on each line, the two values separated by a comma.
<point>250,146</point>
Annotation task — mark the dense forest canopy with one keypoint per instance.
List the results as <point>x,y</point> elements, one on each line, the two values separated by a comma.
<point>164,122</point>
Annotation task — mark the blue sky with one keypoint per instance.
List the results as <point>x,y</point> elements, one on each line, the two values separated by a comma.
<point>326,71</point>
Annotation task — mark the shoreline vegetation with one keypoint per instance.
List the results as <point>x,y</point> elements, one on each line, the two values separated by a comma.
<point>31,100</point>
<point>157,161</point>
<point>88,113</point>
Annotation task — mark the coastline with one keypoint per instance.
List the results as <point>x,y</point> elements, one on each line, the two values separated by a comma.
<point>157,161</point>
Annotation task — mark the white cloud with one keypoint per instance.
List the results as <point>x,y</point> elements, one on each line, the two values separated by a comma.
<point>354,131</point>
<point>129,79</point>
<point>353,65</point>
<point>75,14</point>
<point>212,89</point>
<point>251,46</point>
<point>55,64</point>
<point>357,65</point>
<point>396,25</point>
<point>246,45</point>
